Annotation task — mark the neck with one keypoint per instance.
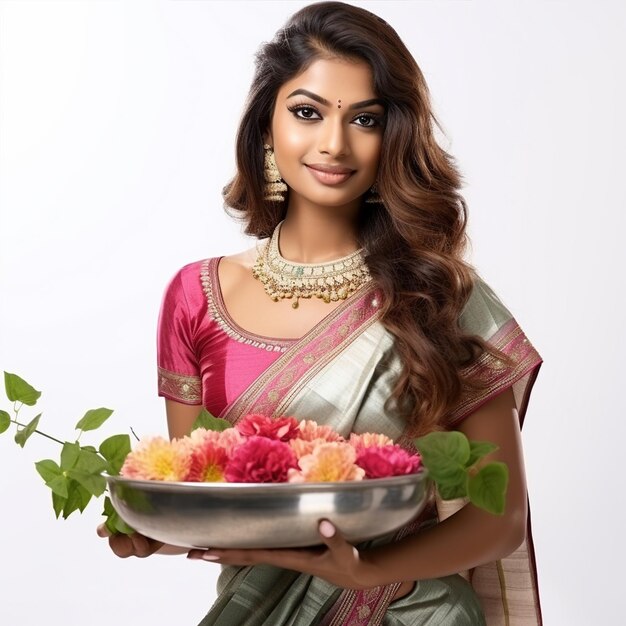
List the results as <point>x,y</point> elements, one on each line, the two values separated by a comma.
<point>317,236</point>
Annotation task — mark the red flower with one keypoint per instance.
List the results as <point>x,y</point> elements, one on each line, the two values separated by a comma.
<point>260,460</point>
<point>384,461</point>
<point>281,428</point>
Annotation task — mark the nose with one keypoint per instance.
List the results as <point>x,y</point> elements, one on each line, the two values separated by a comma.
<point>334,137</point>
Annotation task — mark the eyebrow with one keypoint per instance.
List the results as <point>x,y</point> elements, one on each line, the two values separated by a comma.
<point>356,105</point>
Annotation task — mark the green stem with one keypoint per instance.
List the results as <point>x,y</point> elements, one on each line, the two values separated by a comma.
<point>39,432</point>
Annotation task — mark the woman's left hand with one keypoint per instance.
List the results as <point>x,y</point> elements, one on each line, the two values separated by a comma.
<point>338,562</point>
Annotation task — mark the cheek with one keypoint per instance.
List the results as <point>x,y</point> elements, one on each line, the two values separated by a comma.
<point>288,133</point>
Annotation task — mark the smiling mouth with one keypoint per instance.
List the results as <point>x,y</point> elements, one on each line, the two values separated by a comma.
<point>329,178</point>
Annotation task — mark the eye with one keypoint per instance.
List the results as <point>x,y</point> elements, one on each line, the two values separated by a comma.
<point>303,107</point>
<point>374,119</point>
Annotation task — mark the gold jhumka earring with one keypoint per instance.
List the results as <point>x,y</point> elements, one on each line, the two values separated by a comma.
<point>275,187</point>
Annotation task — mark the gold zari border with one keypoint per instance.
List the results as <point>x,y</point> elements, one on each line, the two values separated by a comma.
<point>181,387</point>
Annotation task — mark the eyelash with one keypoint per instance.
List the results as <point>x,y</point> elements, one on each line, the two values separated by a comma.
<point>298,107</point>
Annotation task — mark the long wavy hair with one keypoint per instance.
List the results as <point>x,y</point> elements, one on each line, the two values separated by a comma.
<point>414,242</point>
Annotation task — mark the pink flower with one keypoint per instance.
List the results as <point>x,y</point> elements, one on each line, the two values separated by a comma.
<point>329,461</point>
<point>367,440</point>
<point>260,460</point>
<point>311,430</point>
<point>229,439</point>
<point>390,460</point>
<point>281,428</point>
<point>156,458</point>
<point>207,463</point>
<point>226,439</point>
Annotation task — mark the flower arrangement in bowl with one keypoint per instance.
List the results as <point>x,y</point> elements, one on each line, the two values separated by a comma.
<point>266,483</point>
<point>263,483</point>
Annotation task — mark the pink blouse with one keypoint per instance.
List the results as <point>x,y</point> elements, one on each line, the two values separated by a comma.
<point>203,356</point>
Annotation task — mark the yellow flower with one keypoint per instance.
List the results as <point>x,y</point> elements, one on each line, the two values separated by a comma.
<point>156,458</point>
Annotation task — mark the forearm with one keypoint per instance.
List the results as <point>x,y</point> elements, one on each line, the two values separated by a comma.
<point>464,540</point>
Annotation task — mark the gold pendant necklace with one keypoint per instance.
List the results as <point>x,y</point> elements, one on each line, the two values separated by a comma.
<point>331,281</point>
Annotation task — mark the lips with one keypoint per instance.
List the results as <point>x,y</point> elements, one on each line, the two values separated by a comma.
<point>335,176</point>
<point>331,169</point>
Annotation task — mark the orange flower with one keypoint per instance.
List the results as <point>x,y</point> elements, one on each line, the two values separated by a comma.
<point>207,463</point>
<point>329,461</point>
<point>156,458</point>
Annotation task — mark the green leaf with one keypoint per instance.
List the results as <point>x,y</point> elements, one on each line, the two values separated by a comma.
<point>94,418</point>
<point>445,454</point>
<point>48,470</point>
<point>455,490</point>
<point>90,462</point>
<point>478,449</point>
<point>69,455</point>
<point>18,390</point>
<point>78,498</point>
<point>208,421</point>
<point>5,421</point>
<point>487,488</point>
<point>59,486</point>
<point>114,450</point>
<point>22,435</point>
<point>113,522</point>
<point>93,483</point>
<point>58,502</point>
<point>53,476</point>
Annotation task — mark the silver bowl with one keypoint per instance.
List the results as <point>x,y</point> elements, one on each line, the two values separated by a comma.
<point>266,515</point>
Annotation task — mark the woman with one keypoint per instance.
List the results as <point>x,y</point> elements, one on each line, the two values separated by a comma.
<point>340,177</point>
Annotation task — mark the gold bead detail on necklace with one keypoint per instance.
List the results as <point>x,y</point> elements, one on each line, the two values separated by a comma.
<point>331,281</point>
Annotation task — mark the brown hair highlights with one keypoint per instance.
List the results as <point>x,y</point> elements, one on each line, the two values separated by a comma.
<point>414,243</point>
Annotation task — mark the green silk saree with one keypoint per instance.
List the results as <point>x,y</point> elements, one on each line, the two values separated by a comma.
<point>340,373</point>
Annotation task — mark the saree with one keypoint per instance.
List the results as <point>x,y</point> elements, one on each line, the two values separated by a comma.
<point>341,373</point>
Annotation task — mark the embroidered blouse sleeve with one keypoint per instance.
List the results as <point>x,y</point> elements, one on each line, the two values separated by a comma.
<point>178,369</point>
<point>487,316</point>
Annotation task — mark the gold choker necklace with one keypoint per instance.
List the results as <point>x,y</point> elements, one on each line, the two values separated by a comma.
<point>335,280</point>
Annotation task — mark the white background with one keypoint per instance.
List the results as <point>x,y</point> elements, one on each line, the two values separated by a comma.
<point>117,133</point>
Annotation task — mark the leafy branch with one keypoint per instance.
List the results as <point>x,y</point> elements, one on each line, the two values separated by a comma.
<point>78,475</point>
<point>455,464</point>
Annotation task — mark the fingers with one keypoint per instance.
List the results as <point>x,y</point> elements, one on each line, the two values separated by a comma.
<point>122,545</point>
<point>134,544</point>
<point>333,538</point>
<point>103,531</point>
<point>144,546</point>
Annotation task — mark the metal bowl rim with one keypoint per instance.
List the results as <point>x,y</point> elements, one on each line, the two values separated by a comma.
<point>275,488</point>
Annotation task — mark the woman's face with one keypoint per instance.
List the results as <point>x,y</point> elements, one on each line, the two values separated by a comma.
<point>330,125</point>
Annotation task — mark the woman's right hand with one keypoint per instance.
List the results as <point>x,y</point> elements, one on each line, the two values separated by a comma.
<point>134,544</point>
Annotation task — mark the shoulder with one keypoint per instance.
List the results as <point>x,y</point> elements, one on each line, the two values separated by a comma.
<point>484,311</point>
<point>235,268</point>
<point>231,267</point>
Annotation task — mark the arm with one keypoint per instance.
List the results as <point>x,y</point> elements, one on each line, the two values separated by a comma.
<point>464,540</point>
<point>471,536</point>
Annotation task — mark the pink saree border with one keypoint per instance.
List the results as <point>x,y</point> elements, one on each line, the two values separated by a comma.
<point>275,387</point>
<point>509,338</point>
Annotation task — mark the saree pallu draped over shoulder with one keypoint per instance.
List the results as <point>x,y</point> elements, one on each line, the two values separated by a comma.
<point>340,374</point>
